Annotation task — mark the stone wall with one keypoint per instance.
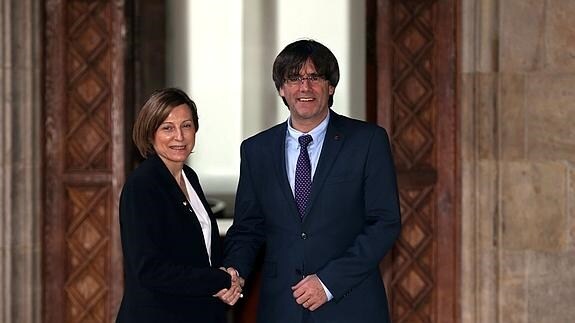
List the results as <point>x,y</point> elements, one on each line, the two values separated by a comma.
<point>517,99</point>
<point>20,161</point>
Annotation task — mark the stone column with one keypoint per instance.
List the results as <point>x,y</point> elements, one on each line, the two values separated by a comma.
<point>20,161</point>
<point>518,156</point>
<point>479,217</point>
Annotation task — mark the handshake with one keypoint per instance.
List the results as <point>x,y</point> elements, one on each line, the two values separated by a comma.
<point>231,295</point>
<point>309,292</point>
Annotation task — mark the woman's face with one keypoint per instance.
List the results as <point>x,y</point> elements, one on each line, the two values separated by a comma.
<point>174,140</point>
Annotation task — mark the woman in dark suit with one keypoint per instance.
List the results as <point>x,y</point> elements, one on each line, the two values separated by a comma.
<point>170,239</point>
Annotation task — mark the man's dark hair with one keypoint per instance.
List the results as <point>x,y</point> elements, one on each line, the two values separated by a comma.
<point>294,56</point>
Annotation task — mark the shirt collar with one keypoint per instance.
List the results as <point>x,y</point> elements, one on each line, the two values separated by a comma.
<point>315,133</point>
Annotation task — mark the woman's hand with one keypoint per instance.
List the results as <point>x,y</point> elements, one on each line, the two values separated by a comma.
<point>231,295</point>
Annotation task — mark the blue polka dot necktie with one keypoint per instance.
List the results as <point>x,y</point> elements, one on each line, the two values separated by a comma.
<point>303,175</point>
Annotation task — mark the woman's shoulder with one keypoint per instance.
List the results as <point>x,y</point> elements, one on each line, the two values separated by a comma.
<point>146,173</point>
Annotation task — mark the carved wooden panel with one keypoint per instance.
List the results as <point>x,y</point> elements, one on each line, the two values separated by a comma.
<point>414,258</point>
<point>84,159</point>
<point>411,51</point>
<point>87,127</point>
<point>87,245</point>
<point>414,148</point>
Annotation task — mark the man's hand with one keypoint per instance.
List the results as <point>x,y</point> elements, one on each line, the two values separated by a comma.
<point>235,275</point>
<point>231,295</point>
<point>309,293</point>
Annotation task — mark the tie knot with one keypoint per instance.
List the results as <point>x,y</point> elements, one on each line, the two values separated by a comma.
<point>305,140</point>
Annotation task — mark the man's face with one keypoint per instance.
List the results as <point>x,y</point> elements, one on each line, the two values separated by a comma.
<point>307,99</point>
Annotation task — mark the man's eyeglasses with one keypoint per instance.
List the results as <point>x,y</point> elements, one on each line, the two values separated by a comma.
<point>313,79</point>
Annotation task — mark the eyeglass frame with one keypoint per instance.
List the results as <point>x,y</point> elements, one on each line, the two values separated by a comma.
<point>296,80</point>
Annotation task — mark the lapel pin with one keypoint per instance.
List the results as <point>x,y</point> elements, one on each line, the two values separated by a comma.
<point>336,137</point>
<point>184,203</point>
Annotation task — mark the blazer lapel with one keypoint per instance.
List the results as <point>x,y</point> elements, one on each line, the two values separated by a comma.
<point>170,185</point>
<point>279,162</point>
<point>196,186</point>
<point>215,252</point>
<point>332,144</point>
<point>168,181</point>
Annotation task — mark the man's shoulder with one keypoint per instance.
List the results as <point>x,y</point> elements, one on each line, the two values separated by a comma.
<point>267,135</point>
<point>354,125</point>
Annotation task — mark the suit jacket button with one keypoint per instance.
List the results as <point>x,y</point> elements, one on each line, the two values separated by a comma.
<point>303,236</point>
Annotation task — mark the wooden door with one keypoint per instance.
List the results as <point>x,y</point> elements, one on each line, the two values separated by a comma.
<point>84,158</point>
<point>411,77</point>
<point>97,71</point>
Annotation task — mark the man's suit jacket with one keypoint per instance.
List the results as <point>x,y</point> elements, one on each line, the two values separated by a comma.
<point>351,222</point>
<point>167,274</point>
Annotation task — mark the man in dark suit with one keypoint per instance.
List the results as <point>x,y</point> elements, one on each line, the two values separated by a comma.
<point>319,191</point>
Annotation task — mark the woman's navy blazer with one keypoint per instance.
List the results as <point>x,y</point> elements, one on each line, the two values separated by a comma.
<point>167,273</point>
